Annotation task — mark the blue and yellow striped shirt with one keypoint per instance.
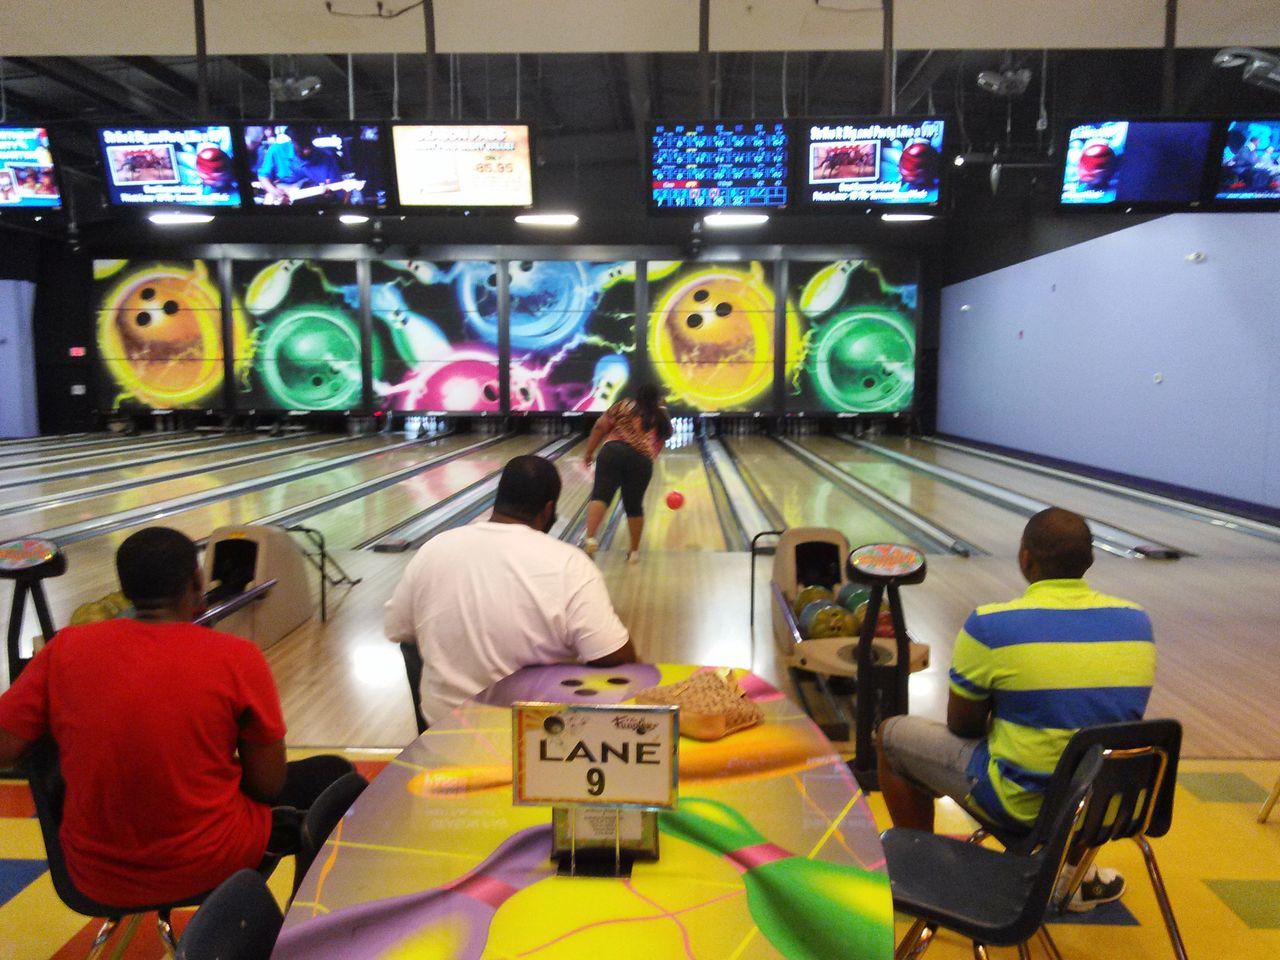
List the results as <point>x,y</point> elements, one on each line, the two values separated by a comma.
<point>1058,658</point>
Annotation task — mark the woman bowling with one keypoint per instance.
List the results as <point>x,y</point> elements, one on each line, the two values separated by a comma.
<point>629,437</point>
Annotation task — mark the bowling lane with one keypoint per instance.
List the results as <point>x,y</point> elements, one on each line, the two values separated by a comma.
<point>113,446</point>
<point>351,524</point>
<point>1143,519</point>
<point>694,526</point>
<point>23,468</point>
<point>807,499</point>
<point>20,524</point>
<point>971,518</point>
<point>209,455</point>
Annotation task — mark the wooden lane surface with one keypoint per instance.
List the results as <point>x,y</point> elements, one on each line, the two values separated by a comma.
<point>351,524</point>
<point>204,455</point>
<point>977,521</point>
<point>91,563</point>
<point>807,499</point>
<point>55,446</point>
<point>1140,518</point>
<point>694,526</point>
<point>121,455</point>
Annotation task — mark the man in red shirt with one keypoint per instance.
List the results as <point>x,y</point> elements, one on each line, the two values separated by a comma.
<point>170,737</point>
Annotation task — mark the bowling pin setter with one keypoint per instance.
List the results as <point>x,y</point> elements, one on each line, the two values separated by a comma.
<point>448,921</point>
<point>826,287</point>
<point>808,909</point>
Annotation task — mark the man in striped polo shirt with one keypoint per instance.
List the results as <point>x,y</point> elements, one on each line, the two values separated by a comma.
<point>1025,676</point>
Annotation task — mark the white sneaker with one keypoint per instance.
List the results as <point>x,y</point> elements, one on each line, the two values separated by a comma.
<point>590,546</point>
<point>1100,885</point>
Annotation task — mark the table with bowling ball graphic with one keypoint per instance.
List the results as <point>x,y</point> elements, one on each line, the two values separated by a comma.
<point>771,850</point>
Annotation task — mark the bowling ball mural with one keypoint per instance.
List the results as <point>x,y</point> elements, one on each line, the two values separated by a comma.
<point>304,348</point>
<point>573,333</point>
<point>436,326</point>
<point>711,334</point>
<point>858,349</point>
<point>159,334</point>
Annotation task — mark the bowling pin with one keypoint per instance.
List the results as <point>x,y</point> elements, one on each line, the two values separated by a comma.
<point>808,909</point>
<point>452,920</point>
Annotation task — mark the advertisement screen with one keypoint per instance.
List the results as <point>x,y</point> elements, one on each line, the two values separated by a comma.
<point>874,162</point>
<point>463,166</point>
<point>856,352</point>
<point>573,333</point>
<point>1250,167</point>
<point>27,175</point>
<point>1123,161</point>
<point>185,166</point>
<point>719,164</point>
<point>302,351</point>
<point>317,165</point>
<point>711,333</point>
<point>159,334</point>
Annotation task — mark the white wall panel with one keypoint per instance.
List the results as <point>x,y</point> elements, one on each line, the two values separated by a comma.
<point>566,26</point>
<point>794,25</point>
<point>1215,23</point>
<point>35,28</point>
<point>994,24</point>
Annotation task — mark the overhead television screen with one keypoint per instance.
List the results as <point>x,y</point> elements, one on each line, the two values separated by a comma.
<point>1250,163</point>
<point>872,162</point>
<point>317,165</point>
<point>27,174</point>
<point>183,166</point>
<point>719,164</point>
<point>460,165</point>
<point>1159,162</point>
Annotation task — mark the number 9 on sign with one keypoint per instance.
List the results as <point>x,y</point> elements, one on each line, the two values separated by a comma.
<point>595,781</point>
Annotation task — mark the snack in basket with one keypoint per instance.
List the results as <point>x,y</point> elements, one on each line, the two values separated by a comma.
<point>711,703</point>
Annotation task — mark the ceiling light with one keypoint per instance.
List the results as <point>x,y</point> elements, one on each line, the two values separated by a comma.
<point>547,219</point>
<point>353,218</point>
<point>294,88</point>
<point>1261,69</point>
<point>905,217</point>
<point>1004,83</point>
<point>173,218</point>
<point>735,219</point>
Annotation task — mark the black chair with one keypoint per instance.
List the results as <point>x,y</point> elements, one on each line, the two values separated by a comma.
<point>48,789</point>
<point>991,897</point>
<point>321,818</point>
<point>238,921</point>
<point>413,670</point>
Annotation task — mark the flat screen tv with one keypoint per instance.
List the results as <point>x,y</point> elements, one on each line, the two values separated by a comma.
<point>325,164</point>
<point>28,177</point>
<point>1155,163</point>
<point>719,163</point>
<point>873,162</point>
<point>463,165</point>
<point>1248,171</point>
<point>179,166</point>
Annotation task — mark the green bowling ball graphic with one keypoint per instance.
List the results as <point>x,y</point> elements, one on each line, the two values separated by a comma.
<point>862,360</point>
<point>309,359</point>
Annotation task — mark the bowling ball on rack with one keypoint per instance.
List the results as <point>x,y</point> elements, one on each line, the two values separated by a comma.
<point>809,594</point>
<point>851,595</point>
<point>675,499</point>
<point>884,625</point>
<point>823,619</point>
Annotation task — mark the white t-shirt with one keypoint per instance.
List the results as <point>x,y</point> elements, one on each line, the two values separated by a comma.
<point>486,599</point>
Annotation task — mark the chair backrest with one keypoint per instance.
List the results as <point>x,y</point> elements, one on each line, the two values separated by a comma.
<point>413,670</point>
<point>1134,793</point>
<point>48,790</point>
<point>322,816</point>
<point>239,921</point>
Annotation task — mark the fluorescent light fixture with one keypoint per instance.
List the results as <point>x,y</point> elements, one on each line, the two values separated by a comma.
<point>353,218</point>
<point>547,219</point>
<point>735,219</point>
<point>905,217</point>
<point>173,218</point>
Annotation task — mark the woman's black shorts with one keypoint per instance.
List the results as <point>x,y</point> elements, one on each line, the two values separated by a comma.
<point>621,465</point>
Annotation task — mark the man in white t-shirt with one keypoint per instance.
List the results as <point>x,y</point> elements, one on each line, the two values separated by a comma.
<point>486,599</point>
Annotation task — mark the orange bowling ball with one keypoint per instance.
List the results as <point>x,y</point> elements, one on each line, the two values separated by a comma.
<point>675,499</point>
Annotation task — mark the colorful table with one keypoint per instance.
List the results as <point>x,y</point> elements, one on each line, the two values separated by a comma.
<point>771,852</point>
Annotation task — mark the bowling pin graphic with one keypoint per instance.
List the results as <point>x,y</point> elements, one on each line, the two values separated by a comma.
<point>448,921</point>
<point>808,909</point>
<point>415,337</point>
<point>826,287</point>
<point>269,288</point>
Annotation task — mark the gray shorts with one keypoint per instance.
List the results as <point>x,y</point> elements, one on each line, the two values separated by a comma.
<point>929,755</point>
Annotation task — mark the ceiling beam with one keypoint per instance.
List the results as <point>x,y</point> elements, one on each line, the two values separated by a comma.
<point>106,91</point>
<point>164,75</point>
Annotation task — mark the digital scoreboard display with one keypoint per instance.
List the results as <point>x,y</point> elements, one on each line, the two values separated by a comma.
<point>27,175</point>
<point>719,164</point>
<point>1152,162</point>
<point>183,166</point>
<point>873,162</point>
<point>462,165</point>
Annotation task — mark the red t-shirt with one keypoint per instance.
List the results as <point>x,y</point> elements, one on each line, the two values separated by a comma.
<point>147,717</point>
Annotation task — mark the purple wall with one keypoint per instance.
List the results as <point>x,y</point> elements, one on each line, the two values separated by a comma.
<point>1058,355</point>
